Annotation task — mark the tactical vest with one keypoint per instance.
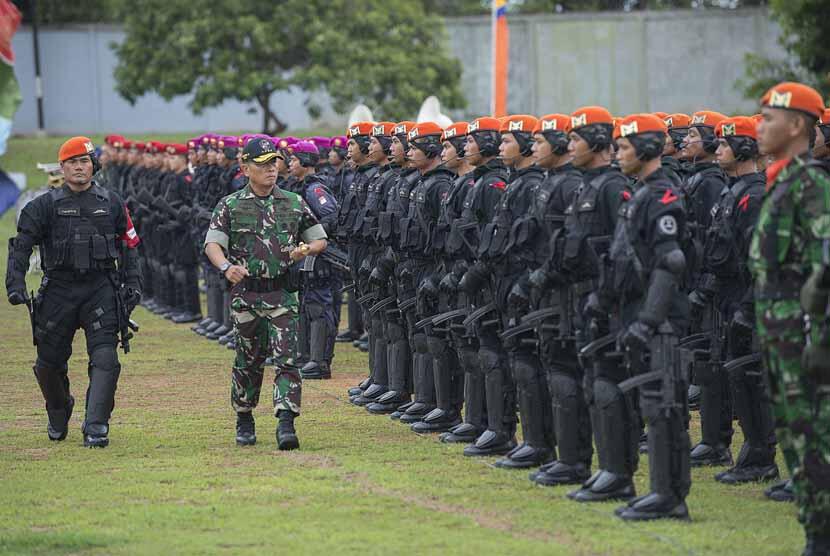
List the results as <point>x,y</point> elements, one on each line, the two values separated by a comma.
<point>452,206</point>
<point>397,208</point>
<point>583,220</point>
<point>426,211</point>
<point>82,236</point>
<point>467,231</point>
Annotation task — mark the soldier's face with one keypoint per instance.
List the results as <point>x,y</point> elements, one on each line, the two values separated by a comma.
<point>472,152</point>
<point>294,166</point>
<point>668,148</point>
<point>630,165</point>
<point>193,158</point>
<point>579,150</point>
<point>725,157</point>
<point>334,158</point>
<point>417,157</point>
<point>282,167</point>
<point>375,150</point>
<point>693,145</point>
<point>77,171</point>
<point>397,151</point>
<point>449,156</point>
<point>354,152</point>
<point>542,151</point>
<point>777,130</point>
<point>211,157</point>
<point>509,150</point>
<point>262,175</point>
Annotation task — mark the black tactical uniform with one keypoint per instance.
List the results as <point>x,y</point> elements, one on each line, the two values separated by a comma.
<point>90,282</point>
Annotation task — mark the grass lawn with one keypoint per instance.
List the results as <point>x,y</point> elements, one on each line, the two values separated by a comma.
<point>173,481</point>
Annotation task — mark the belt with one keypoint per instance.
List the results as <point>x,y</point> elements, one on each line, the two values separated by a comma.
<point>69,274</point>
<point>263,285</point>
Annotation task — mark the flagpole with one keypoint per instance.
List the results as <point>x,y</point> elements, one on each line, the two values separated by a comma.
<point>38,82</point>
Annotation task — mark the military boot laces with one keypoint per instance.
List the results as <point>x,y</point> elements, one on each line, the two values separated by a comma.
<point>286,435</point>
<point>245,429</point>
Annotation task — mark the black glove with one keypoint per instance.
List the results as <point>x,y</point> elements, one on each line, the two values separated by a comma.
<point>132,297</point>
<point>377,278</point>
<point>428,289</point>
<point>473,279</point>
<point>364,271</point>
<point>449,284</point>
<point>518,297</point>
<point>594,308</point>
<point>18,297</point>
<point>638,336</point>
<point>740,331</point>
<point>698,300</point>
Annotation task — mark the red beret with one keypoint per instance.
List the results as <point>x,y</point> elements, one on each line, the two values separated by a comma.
<point>553,122</point>
<point>485,123</point>
<point>706,118</point>
<point>359,129</point>
<point>678,120</point>
<point>636,124</point>
<point>739,126</point>
<point>425,129</point>
<point>383,129</point>
<point>457,129</point>
<point>403,128</point>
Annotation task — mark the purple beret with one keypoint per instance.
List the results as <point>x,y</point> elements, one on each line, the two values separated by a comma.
<point>306,147</point>
<point>229,141</point>
<point>339,142</point>
<point>321,142</point>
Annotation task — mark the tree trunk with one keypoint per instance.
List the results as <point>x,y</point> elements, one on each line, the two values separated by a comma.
<point>271,124</point>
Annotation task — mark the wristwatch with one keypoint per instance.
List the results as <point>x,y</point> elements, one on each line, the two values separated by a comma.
<point>225,266</point>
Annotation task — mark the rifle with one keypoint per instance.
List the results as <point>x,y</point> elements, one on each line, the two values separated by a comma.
<point>476,315</point>
<point>528,322</point>
<point>382,304</point>
<point>601,345</point>
<point>666,368</point>
<point>448,316</point>
<point>336,258</point>
<point>366,298</point>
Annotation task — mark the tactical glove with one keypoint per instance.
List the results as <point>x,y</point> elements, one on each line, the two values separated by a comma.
<point>449,284</point>
<point>132,297</point>
<point>377,277</point>
<point>18,297</point>
<point>740,331</point>
<point>473,279</point>
<point>593,307</point>
<point>518,297</point>
<point>638,336</point>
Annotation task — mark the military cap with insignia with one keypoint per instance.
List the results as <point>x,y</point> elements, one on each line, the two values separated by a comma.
<point>794,96</point>
<point>595,125</point>
<point>259,151</point>
<point>426,136</point>
<point>555,128</point>
<point>645,132</point>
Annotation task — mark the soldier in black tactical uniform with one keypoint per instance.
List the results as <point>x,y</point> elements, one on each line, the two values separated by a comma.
<point>725,254</point>
<point>554,330</point>
<point>92,281</point>
<point>479,208</point>
<point>384,277</point>
<point>448,375</point>
<point>589,223</point>
<point>702,190</point>
<point>642,280</point>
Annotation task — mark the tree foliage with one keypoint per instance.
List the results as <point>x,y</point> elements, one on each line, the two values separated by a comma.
<point>805,26</point>
<point>388,54</point>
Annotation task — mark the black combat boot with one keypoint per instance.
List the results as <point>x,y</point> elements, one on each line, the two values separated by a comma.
<point>286,435</point>
<point>58,426</point>
<point>245,429</point>
<point>753,465</point>
<point>781,491</point>
<point>96,436</point>
<point>707,455</point>
<point>818,544</point>
<point>315,371</point>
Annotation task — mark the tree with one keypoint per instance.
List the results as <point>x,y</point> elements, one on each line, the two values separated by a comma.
<point>805,26</point>
<point>50,12</point>
<point>388,54</point>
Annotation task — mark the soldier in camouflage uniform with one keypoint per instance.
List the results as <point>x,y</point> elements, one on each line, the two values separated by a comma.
<point>791,245</point>
<point>261,228</point>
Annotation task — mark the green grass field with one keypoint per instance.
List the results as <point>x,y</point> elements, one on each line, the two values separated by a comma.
<point>173,481</point>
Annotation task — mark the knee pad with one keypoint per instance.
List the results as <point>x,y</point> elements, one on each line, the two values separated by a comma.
<point>562,386</point>
<point>437,346</point>
<point>395,332</point>
<point>606,393</point>
<point>105,358</point>
<point>419,340</point>
<point>469,360</point>
<point>650,402</point>
<point>490,359</point>
<point>525,370</point>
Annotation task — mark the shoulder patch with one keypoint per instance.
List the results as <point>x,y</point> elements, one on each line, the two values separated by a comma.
<point>626,195</point>
<point>668,198</point>
<point>667,225</point>
<point>743,204</point>
<point>188,178</point>
<point>499,185</point>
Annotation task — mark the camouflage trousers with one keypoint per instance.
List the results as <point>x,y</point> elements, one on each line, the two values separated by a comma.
<point>802,410</point>
<point>259,335</point>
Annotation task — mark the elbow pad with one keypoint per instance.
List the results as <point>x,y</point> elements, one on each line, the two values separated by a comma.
<point>661,291</point>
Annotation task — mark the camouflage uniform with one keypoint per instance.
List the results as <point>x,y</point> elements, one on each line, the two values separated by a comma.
<point>793,229</point>
<point>259,233</point>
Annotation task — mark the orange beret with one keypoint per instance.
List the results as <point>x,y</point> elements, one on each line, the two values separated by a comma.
<point>825,118</point>
<point>794,96</point>
<point>403,128</point>
<point>553,122</point>
<point>661,115</point>
<point>76,146</point>
<point>738,126</point>
<point>359,129</point>
<point>706,118</point>
<point>636,124</point>
<point>457,129</point>
<point>678,120</point>
<point>425,129</point>
<point>485,123</point>
<point>381,129</point>
<point>590,115</point>
<point>520,122</point>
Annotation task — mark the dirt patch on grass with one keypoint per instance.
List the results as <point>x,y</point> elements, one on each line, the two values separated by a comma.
<point>481,517</point>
